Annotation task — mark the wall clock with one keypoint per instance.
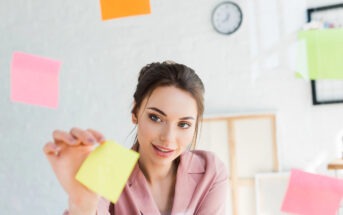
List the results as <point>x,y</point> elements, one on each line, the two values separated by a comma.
<point>227,17</point>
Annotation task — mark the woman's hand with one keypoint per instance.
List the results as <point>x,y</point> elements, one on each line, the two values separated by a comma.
<point>66,154</point>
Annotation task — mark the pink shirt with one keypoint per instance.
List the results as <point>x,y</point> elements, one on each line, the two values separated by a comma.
<point>201,188</point>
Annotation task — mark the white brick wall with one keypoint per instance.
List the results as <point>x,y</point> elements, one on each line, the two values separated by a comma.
<point>101,61</point>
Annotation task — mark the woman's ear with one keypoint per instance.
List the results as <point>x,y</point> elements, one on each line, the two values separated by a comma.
<point>134,118</point>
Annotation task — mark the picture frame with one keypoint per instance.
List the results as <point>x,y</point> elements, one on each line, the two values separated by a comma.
<point>326,91</point>
<point>226,136</point>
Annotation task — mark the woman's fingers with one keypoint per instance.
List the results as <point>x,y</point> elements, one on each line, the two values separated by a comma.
<point>98,136</point>
<point>65,137</point>
<point>85,136</point>
<point>76,136</point>
<point>51,148</point>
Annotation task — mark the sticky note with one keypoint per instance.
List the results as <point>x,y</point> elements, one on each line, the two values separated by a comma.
<point>312,194</point>
<point>111,9</point>
<point>34,80</point>
<point>324,53</point>
<point>107,169</point>
<point>301,60</point>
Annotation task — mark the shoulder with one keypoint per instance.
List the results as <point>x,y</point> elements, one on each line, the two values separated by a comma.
<point>207,162</point>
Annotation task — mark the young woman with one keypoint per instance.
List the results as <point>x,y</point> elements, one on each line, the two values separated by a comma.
<point>168,178</point>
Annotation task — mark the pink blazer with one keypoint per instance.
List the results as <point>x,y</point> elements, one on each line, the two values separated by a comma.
<point>201,188</point>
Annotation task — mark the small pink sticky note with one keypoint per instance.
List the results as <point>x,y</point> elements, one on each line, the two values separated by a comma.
<point>34,80</point>
<point>311,194</point>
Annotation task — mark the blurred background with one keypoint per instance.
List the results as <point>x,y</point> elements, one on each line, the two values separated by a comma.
<point>250,70</point>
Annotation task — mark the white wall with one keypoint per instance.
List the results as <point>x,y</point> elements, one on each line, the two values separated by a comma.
<point>250,70</point>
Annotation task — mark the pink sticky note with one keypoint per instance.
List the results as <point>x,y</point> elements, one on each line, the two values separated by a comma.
<point>34,80</point>
<point>311,194</point>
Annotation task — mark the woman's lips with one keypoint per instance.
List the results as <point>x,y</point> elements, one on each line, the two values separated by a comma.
<point>162,151</point>
<point>163,148</point>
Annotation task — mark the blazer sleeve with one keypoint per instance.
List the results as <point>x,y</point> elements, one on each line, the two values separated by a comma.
<point>215,200</point>
<point>102,209</point>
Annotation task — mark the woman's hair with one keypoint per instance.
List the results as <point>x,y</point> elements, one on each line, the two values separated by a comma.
<point>169,73</point>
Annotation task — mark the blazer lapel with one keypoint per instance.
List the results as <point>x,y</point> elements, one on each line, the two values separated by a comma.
<point>187,178</point>
<point>140,191</point>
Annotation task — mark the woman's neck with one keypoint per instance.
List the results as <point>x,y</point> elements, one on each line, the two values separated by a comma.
<point>156,173</point>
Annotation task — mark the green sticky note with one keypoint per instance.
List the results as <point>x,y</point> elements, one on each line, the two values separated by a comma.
<point>301,60</point>
<point>107,169</point>
<point>324,53</point>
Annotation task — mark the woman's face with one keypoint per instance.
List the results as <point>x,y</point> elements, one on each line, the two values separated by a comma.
<point>166,124</point>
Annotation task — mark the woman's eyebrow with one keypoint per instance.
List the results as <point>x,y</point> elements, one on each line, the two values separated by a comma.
<point>161,112</point>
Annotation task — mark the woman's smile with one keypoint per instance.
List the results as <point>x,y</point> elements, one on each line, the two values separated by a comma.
<point>162,151</point>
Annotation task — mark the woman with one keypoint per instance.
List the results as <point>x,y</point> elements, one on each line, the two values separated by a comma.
<point>168,178</point>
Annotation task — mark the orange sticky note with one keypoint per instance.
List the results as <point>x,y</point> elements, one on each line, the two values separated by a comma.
<point>111,9</point>
<point>34,80</point>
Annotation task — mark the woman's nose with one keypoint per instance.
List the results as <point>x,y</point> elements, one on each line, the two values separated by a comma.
<point>168,133</point>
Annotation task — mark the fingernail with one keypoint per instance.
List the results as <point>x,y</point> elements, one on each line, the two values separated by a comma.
<point>57,147</point>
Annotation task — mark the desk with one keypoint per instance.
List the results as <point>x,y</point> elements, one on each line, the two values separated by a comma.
<point>335,165</point>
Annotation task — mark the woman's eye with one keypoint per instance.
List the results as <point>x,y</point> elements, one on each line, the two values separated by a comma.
<point>154,118</point>
<point>184,125</point>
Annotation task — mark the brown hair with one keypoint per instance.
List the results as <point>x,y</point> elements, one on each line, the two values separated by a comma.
<point>170,73</point>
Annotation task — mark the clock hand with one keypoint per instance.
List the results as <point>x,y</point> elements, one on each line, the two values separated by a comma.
<point>227,17</point>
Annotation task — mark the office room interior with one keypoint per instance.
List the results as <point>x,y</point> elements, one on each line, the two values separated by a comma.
<point>272,71</point>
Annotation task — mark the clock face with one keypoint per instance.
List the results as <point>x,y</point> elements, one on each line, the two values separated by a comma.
<point>227,17</point>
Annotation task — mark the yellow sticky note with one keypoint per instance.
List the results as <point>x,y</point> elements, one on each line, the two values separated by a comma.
<point>107,169</point>
<point>111,9</point>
